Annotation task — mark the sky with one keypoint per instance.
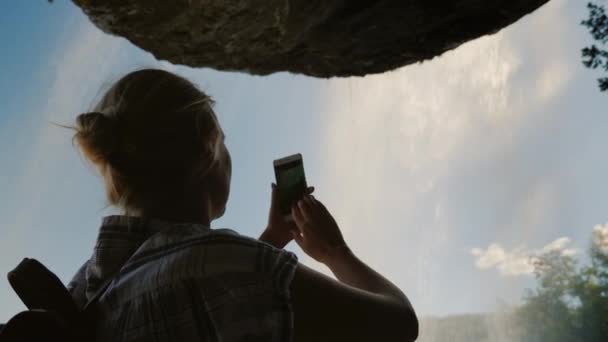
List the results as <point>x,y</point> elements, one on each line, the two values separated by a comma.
<point>444,176</point>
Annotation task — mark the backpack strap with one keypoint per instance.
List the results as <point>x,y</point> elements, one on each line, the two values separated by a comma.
<point>100,291</point>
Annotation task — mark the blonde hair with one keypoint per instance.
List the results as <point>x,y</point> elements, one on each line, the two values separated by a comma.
<point>152,136</point>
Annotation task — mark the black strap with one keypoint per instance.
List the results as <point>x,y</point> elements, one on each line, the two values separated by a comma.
<point>99,292</point>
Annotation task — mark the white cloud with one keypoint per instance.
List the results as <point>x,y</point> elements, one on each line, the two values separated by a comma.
<point>491,257</point>
<point>518,261</point>
<point>508,263</point>
<point>600,237</point>
<point>569,252</point>
<point>556,245</point>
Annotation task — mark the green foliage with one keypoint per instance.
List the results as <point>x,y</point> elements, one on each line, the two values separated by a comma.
<point>570,302</point>
<point>548,311</point>
<point>594,57</point>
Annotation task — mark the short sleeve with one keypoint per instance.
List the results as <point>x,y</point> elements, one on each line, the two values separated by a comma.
<point>283,271</point>
<point>249,294</point>
<point>283,267</point>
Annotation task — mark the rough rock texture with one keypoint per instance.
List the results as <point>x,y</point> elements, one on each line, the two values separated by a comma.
<point>321,38</point>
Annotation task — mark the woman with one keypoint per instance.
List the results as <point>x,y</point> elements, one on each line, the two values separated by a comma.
<point>159,147</point>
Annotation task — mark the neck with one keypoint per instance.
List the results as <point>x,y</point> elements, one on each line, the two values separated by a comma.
<point>181,211</point>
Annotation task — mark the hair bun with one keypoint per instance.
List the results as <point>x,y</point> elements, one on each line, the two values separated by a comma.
<point>97,133</point>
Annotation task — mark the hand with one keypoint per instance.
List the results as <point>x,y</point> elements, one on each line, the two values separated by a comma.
<point>318,233</point>
<point>278,231</point>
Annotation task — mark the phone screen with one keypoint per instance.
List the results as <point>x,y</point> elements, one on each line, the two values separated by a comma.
<point>291,184</point>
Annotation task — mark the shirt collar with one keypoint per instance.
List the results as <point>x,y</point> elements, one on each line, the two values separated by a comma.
<point>140,225</point>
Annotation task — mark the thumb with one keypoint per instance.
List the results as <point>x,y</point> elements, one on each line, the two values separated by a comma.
<point>273,196</point>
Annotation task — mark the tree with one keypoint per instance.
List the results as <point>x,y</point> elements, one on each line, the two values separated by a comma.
<point>594,57</point>
<point>570,302</point>
<point>592,290</point>
<point>548,314</point>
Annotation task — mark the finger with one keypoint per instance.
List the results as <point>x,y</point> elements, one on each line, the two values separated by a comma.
<point>319,208</point>
<point>305,209</point>
<point>304,202</point>
<point>315,203</point>
<point>309,202</point>
<point>297,217</point>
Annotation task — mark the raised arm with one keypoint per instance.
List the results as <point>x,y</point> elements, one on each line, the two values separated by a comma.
<point>362,306</point>
<point>278,231</point>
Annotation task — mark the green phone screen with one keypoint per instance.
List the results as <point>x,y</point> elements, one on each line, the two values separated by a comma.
<point>291,184</point>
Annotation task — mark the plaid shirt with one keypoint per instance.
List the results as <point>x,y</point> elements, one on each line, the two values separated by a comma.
<point>186,282</point>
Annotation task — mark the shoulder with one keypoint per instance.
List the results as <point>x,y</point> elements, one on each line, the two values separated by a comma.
<point>173,255</point>
<point>239,282</point>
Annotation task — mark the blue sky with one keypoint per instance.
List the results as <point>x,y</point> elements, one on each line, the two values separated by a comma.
<point>443,175</point>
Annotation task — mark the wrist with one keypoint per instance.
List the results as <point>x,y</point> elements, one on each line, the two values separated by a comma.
<point>270,237</point>
<point>337,254</point>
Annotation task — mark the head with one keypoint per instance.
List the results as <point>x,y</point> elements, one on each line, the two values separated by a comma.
<point>158,145</point>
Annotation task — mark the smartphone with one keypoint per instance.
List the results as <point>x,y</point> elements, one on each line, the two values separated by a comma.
<point>291,182</point>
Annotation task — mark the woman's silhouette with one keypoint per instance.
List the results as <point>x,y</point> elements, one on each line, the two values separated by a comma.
<point>159,147</point>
